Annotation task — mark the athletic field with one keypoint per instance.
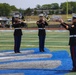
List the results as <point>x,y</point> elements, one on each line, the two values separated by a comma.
<point>56,42</point>
<point>55,39</point>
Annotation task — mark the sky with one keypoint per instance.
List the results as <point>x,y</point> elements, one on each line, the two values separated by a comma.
<point>31,3</point>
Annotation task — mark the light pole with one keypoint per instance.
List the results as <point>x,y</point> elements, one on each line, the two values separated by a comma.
<point>67,9</point>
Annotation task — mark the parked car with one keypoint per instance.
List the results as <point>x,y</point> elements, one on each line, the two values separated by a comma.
<point>69,20</point>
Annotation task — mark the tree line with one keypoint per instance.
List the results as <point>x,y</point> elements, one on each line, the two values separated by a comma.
<point>54,8</point>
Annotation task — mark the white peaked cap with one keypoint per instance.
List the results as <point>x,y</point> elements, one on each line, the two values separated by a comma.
<point>41,15</point>
<point>16,16</point>
<point>74,15</point>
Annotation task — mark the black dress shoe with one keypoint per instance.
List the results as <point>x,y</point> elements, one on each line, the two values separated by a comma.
<point>73,70</point>
<point>42,51</point>
<point>17,52</point>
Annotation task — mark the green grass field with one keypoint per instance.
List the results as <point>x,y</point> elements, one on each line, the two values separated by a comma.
<point>55,41</point>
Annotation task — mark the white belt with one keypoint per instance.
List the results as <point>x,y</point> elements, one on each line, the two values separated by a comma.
<point>72,35</point>
<point>41,28</point>
<point>17,28</point>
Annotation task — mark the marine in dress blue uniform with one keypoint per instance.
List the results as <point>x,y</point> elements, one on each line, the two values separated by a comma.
<point>72,39</point>
<point>41,32</point>
<point>17,24</point>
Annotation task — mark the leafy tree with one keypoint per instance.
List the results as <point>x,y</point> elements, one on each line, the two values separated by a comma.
<point>21,11</point>
<point>55,6</point>
<point>28,11</point>
<point>38,6</point>
<point>35,12</point>
<point>13,8</point>
<point>71,7</point>
<point>46,6</point>
<point>5,9</point>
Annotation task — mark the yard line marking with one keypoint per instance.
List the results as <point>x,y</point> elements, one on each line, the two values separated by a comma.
<point>6,57</point>
<point>24,57</point>
<point>13,74</point>
<point>34,31</point>
<point>12,53</point>
<point>49,64</point>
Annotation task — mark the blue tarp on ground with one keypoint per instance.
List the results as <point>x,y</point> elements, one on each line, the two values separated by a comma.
<point>63,69</point>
